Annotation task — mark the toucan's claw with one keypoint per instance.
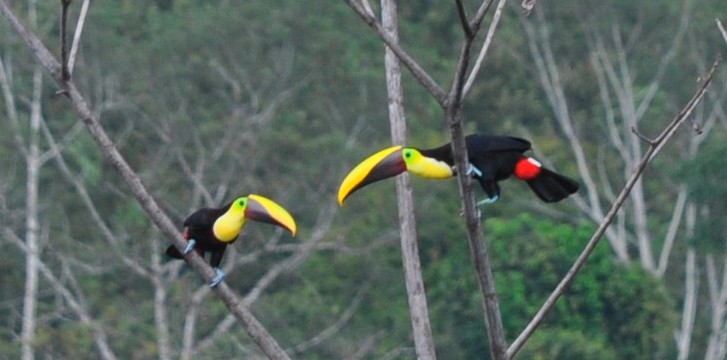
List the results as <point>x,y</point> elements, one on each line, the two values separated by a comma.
<point>190,246</point>
<point>489,200</point>
<point>218,278</point>
<point>473,170</point>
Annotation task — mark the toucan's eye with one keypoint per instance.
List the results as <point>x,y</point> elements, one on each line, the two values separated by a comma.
<point>241,203</point>
<point>407,154</point>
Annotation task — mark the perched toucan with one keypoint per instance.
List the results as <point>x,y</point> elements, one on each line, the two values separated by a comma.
<point>211,230</point>
<point>491,159</point>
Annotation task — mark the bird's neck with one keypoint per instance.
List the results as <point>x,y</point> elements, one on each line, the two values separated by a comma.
<point>442,153</point>
<point>228,226</point>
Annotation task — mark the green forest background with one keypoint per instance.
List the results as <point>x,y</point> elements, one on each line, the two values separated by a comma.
<point>213,99</point>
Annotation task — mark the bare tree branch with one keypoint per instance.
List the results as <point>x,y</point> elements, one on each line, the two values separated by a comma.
<point>323,224</point>
<point>485,47</point>
<point>254,328</point>
<point>671,232</point>
<point>665,135</point>
<point>549,77</point>
<point>10,107</point>
<point>462,12</point>
<point>478,248</point>
<point>332,330</point>
<point>74,301</point>
<point>721,30</point>
<point>683,336</point>
<point>65,4</point>
<point>77,35</point>
<point>717,346</point>
<point>424,78</point>
<point>78,184</point>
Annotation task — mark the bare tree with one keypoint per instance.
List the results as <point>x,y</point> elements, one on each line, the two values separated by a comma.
<point>625,107</point>
<point>30,148</point>
<point>415,288</point>
<point>59,71</point>
<point>452,104</point>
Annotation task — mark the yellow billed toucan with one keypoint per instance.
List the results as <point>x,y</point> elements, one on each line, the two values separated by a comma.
<point>211,230</point>
<point>491,159</point>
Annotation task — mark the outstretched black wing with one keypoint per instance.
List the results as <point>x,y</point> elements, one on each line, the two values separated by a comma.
<point>479,148</point>
<point>479,144</point>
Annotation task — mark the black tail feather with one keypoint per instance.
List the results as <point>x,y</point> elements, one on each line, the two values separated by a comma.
<point>551,186</point>
<point>172,252</point>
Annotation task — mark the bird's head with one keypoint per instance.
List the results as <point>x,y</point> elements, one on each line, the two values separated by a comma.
<point>391,162</point>
<point>253,207</point>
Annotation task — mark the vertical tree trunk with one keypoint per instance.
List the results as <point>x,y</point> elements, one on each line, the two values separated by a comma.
<point>418,309</point>
<point>684,335</point>
<point>30,297</point>
<point>716,347</point>
<point>160,308</point>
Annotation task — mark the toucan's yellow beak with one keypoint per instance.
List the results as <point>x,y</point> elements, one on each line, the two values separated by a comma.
<point>260,208</point>
<point>391,162</point>
<point>384,164</point>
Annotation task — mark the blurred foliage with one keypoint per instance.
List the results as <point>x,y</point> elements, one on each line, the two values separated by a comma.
<point>282,100</point>
<point>530,255</point>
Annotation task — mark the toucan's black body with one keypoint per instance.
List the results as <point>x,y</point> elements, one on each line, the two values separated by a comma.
<point>496,157</point>
<point>210,230</point>
<point>198,226</point>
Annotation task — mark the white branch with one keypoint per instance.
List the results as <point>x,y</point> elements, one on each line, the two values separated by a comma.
<point>485,48</point>
<point>672,231</point>
<point>77,35</point>
<point>689,309</point>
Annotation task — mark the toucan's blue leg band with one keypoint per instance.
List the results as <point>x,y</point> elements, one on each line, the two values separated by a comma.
<point>473,170</point>
<point>488,200</point>
<point>190,246</point>
<point>218,278</point>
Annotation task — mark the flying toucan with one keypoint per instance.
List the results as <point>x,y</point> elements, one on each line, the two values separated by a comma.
<point>211,230</point>
<point>491,159</point>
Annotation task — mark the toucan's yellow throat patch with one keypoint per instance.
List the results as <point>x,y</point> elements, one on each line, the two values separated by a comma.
<point>427,167</point>
<point>227,227</point>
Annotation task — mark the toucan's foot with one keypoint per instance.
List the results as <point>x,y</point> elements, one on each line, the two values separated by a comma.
<point>190,246</point>
<point>218,278</point>
<point>489,200</point>
<point>473,170</point>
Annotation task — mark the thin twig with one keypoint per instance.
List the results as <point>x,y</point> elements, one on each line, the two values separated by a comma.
<point>466,28</point>
<point>65,4</point>
<point>721,30</point>
<point>77,35</point>
<point>641,136</point>
<point>480,15</point>
<point>662,139</point>
<point>485,47</point>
